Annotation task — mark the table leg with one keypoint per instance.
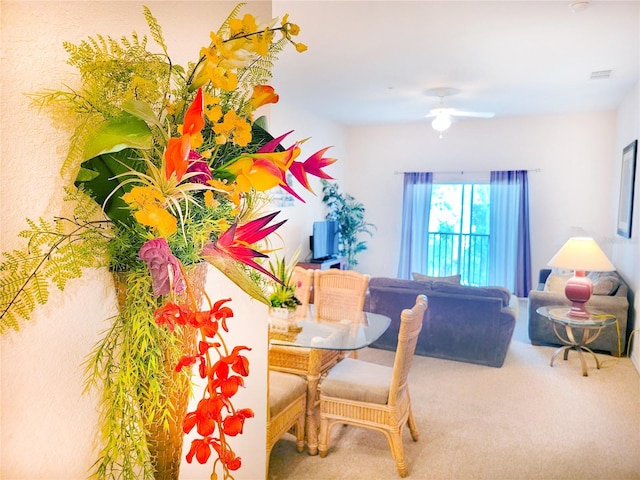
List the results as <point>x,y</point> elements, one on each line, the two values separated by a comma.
<point>313,377</point>
<point>588,336</point>
<point>558,352</point>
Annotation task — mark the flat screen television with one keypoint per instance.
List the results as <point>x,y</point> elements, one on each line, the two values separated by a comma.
<point>324,241</point>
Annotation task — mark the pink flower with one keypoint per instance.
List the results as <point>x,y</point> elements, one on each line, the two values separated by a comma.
<point>197,164</point>
<point>163,266</point>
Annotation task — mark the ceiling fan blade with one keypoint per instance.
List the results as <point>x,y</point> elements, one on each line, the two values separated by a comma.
<point>462,113</point>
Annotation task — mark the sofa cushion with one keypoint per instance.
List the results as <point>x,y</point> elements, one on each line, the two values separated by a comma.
<point>496,292</point>
<point>425,278</point>
<point>556,281</point>
<point>284,388</point>
<point>604,283</point>
<point>357,380</point>
<point>384,282</point>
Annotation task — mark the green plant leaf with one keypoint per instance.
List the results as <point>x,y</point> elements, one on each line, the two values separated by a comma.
<point>102,182</point>
<point>141,110</point>
<point>125,131</point>
<point>85,175</point>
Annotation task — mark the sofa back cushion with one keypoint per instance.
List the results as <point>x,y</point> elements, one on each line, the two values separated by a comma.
<point>556,281</point>
<point>605,283</point>
<point>384,282</point>
<point>495,292</point>
<point>425,278</point>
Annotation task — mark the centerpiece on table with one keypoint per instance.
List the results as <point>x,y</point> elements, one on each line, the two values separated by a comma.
<point>282,299</point>
<point>167,170</point>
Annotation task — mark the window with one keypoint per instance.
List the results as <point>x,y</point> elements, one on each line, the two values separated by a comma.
<point>458,238</point>
<point>475,226</point>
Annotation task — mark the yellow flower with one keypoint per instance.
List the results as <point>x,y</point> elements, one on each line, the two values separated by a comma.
<point>241,27</point>
<point>212,108</point>
<point>300,47</point>
<point>233,194</point>
<point>143,197</point>
<point>222,78</point>
<point>208,199</point>
<point>259,174</point>
<point>262,42</point>
<point>159,219</point>
<point>151,212</point>
<point>233,126</point>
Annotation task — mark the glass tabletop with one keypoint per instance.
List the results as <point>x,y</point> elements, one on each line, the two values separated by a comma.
<point>560,314</point>
<point>328,335</point>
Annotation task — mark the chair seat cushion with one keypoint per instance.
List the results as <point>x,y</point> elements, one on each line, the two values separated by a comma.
<point>353,379</point>
<point>284,388</point>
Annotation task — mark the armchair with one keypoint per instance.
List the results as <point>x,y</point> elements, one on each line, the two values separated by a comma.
<point>610,295</point>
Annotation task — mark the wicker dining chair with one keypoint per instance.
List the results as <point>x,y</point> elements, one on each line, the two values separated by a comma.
<point>302,279</point>
<point>374,396</point>
<point>339,294</point>
<point>286,409</point>
<point>311,364</point>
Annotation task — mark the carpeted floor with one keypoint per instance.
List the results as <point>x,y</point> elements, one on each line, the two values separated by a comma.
<point>526,420</point>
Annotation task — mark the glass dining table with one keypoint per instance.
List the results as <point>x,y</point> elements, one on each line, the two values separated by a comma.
<point>344,335</point>
<point>309,346</point>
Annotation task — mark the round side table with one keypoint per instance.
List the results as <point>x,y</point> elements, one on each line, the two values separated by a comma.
<point>578,332</point>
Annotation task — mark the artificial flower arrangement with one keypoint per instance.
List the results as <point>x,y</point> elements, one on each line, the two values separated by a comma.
<point>167,168</point>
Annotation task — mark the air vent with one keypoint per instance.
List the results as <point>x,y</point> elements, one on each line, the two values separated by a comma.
<point>600,75</point>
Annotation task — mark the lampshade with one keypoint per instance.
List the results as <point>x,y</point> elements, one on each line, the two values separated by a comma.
<point>441,122</point>
<point>580,254</point>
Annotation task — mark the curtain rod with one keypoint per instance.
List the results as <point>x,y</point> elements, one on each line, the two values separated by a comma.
<point>462,172</point>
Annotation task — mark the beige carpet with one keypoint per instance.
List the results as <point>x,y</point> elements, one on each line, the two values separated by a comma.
<point>526,420</point>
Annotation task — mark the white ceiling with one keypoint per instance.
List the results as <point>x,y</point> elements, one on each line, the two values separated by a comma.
<point>372,61</point>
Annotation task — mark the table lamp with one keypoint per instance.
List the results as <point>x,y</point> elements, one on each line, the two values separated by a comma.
<point>580,254</point>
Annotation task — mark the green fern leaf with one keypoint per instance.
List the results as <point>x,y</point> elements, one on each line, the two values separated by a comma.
<point>155,29</point>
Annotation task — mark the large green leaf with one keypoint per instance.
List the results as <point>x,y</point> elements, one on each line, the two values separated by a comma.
<point>141,110</point>
<point>102,182</point>
<point>125,131</point>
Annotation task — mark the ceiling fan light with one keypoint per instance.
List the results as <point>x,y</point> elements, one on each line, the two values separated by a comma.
<point>441,123</point>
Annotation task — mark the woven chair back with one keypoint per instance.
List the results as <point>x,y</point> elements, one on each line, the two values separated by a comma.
<point>339,294</point>
<point>410,326</point>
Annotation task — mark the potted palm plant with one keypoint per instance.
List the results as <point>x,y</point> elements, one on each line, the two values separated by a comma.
<point>349,213</point>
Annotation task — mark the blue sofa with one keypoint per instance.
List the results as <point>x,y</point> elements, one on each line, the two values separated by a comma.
<point>466,324</point>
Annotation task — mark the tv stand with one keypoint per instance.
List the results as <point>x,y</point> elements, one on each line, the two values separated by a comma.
<point>337,262</point>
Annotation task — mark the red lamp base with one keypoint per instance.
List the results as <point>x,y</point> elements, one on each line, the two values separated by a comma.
<point>578,290</point>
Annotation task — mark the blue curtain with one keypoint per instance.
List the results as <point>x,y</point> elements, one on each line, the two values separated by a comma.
<point>416,204</point>
<point>509,245</point>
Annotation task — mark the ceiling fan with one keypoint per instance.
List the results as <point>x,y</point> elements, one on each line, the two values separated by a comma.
<point>442,113</point>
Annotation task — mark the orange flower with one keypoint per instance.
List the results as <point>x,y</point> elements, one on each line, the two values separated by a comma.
<point>263,95</point>
<point>177,153</point>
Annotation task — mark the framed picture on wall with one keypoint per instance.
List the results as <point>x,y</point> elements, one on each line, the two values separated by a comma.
<point>627,182</point>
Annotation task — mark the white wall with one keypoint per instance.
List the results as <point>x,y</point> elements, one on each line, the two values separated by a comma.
<point>625,253</point>
<point>572,188</point>
<point>320,134</point>
<point>48,427</point>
